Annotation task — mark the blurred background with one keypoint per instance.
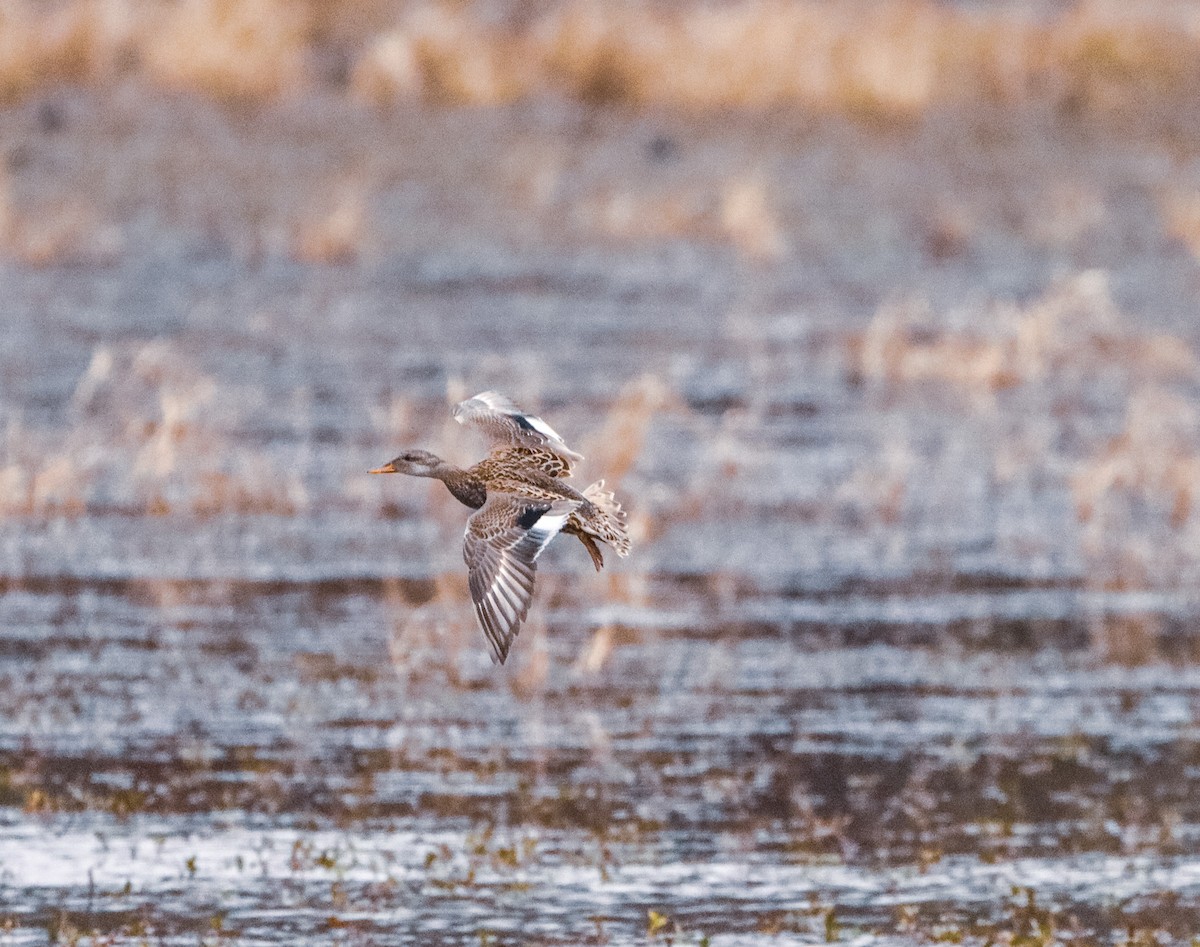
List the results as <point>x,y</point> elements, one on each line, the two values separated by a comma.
<point>880,317</point>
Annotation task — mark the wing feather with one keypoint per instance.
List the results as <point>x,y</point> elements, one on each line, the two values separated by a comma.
<point>507,426</point>
<point>501,553</point>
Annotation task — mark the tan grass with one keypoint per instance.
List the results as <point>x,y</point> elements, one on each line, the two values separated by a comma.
<point>1136,496</point>
<point>613,450</point>
<point>433,631</point>
<point>70,231</point>
<point>739,212</point>
<point>1135,492</point>
<point>888,58</point>
<point>231,49</point>
<point>339,234</point>
<point>896,349</point>
<point>77,40</point>
<point>66,230</point>
<point>1180,212</point>
<point>1155,458</point>
<point>1071,333</point>
<point>141,427</point>
<point>891,59</point>
<point>616,446</point>
<point>758,53</point>
<point>389,70</point>
<point>749,219</point>
<point>443,54</point>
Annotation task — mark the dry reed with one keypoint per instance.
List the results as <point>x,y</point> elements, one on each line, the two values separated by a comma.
<point>1070,334</point>
<point>1153,464</point>
<point>336,236</point>
<point>140,440</point>
<point>891,59</point>
<point>1134,491</point>
<point>65,230</point>
<point>231,49</point>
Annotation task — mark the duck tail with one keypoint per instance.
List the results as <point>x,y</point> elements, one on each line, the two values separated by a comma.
<point>607,523</point>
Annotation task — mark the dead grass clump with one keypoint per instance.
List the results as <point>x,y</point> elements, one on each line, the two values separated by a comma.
<point>1107,56</point>
<point>181,462</point>
<point>231,49</point>
<point>251,491</point>
<point>445,55</point>
<point>1154,463</point>
<point>57,487</point>
<point>625,214</point>
<point>431,632</point>
<point>888,60</point>
<point>1127,640</point>
<point>749,220</point>
<point>899,348</point>
<point>740,213</point>
<point>758,53</point>
<point>76,40</point>
<point>389,70</point>
<point>1072,334</point>
<point>142,439</point>
<point>1180,211</point>
<point>336,236</point>
<point>883,60</point>
<point>615,448</point>
<point>69,230</point>
<point>1136,496</point>
<point>39,476</point>
<point>1071,354</point>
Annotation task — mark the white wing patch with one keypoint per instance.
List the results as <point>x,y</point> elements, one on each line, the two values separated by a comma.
<point>502,541</point>
<point>546,528</point>
<point>539,425</point>
<point>505,423</point>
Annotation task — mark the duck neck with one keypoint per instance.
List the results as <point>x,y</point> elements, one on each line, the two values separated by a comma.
<point>468,490</point>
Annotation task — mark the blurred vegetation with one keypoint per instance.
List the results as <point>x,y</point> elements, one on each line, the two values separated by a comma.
<point>893,58</point>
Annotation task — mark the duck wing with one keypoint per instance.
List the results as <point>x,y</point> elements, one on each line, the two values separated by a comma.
<point>503,540</point>
<point>506,426</point>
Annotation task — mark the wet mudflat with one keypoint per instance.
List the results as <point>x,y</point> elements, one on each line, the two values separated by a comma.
<point>903,412</point>
<point>282,761</point>
<point>185,755</point>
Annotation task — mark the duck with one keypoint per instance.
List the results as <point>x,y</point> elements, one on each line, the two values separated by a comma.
<point>522,500</point>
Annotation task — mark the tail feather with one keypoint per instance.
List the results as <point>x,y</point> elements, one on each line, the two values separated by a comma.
<point>593,550</point>
<point>608,522</point>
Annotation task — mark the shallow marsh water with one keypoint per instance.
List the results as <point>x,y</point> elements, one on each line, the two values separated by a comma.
<point>907,649</point>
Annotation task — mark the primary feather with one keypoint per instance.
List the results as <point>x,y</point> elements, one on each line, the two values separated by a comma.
<point>504,424</point>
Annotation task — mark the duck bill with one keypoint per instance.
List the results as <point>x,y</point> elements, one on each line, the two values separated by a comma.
<point>386,468</point>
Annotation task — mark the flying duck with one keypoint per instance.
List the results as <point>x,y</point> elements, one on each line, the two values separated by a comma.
<point>521,501</point>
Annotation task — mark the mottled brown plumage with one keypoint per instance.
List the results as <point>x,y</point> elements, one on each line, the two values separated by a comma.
<point>505,424</point>
<point>522,502</point>
<point>502,544</point>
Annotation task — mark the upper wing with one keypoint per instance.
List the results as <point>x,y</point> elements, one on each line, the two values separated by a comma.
<point>503,540</point>
<point>533,458</point>
<point>506,425</point>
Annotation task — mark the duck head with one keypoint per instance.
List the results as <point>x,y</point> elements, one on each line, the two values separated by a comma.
<point>415,463</point>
